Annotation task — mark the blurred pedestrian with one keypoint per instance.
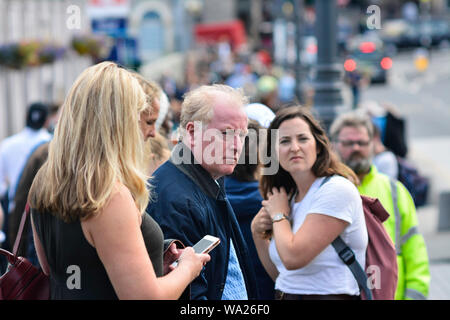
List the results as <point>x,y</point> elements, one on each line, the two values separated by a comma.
<point>286,88</point>
<point>355,80</point>
<point>53,117</point>
<point>33,163</point>
<point>189,188</point>
<point>260,113</point>
<point>267,92</point>
<point>384,159</point>
<point>15,150</point>
<point>242,188</point>
<point>305,217</point>
<point>89,197</point>
<point>352,136</point>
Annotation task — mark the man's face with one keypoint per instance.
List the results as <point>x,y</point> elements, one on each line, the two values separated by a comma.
<point>219,144</point>
<point>355,148</point>
<point>148,120</point>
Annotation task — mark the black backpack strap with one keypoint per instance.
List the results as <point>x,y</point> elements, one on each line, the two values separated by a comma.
<point>325,180</point>
<point>348,257</point>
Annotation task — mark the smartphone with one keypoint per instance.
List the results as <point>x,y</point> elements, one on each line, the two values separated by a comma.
<point>205,245</point>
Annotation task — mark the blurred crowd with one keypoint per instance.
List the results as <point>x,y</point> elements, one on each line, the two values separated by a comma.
<point>245,85</point>
<point>254,72</point>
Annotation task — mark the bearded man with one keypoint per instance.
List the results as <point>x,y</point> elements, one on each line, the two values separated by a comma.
<point>352,136</point>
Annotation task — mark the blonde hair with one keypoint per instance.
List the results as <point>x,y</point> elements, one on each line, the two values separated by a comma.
<point>157,151</point>
<point>151,88</point>
<point>198,103</point>
<point>97,143</point>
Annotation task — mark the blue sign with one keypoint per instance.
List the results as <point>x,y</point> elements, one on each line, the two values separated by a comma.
<point>113,27</point>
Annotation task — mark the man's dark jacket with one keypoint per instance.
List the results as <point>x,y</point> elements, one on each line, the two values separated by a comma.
<point>188,204</point>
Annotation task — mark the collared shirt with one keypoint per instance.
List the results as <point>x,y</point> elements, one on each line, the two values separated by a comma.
<point>234,284</point>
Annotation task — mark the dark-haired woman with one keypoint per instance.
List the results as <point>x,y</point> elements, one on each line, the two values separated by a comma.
<point>304,216</point>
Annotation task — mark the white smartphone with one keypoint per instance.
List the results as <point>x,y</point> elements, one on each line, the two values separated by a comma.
<point>205,245</point>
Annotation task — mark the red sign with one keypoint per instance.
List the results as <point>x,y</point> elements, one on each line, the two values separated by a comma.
<point>232,32</point>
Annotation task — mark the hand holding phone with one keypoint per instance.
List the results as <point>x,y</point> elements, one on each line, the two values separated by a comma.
<point>205,245</point>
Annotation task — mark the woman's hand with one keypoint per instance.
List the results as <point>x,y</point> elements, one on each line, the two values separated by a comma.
<point>277,202</point>
<point>193,261</point>
<point>171,255</point>
<point>261,223</point>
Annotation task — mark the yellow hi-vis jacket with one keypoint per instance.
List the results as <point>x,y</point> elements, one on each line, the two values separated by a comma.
<point>412,257</point>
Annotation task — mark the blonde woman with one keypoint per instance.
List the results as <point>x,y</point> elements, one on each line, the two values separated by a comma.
<point>156,149</point>
<point>88,200</point>
<point>149,116</point>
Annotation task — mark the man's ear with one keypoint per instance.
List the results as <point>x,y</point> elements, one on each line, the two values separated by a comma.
<point>189,133</point>
<point>190,130</point>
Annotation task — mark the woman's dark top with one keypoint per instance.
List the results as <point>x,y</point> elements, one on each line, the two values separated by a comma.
<point>76,271</point>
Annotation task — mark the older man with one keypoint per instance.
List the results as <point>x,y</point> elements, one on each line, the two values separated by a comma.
<point>190,200</point>
<point>352,136</point>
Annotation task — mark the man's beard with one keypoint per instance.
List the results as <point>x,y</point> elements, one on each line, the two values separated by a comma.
<point>358,163</point>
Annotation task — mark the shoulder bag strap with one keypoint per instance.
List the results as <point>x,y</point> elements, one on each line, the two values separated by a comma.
<point>25,215</point>
<point>348,257</point>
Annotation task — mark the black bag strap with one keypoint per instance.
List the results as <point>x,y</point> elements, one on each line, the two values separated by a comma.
<point>348,257</point>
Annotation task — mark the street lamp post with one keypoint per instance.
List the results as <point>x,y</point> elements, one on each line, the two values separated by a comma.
<point>299,72</point>
<point>328,84</point>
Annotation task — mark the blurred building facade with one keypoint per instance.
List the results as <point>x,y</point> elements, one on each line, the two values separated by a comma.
<point>142,32</point>
<point>150,35</point>
<point>25,24</point>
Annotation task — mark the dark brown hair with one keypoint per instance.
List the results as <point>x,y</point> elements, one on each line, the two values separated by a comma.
<point>246,171</point>
<point>327,162</point>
